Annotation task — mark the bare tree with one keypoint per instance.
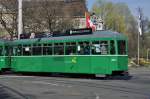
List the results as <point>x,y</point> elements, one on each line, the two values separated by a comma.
<point>45,15</point>
<point>38,15</point>
<point>8,16</point>
<point>54,16</point>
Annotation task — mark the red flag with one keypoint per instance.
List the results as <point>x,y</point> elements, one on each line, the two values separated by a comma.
<point>89,23</point>
<point>87,20</point>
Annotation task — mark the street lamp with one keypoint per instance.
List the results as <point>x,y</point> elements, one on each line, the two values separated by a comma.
<point>19,18</point>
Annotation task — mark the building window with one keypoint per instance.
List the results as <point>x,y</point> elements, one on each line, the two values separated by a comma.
<point>67,1</point>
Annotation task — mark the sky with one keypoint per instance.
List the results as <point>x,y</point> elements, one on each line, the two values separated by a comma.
<point>133,5</point>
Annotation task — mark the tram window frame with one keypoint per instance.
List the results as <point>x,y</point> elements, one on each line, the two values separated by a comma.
<point>15,48</point>
<point>94,48</point>
<point>84,48</point>
<point>37,49</point>
<point>106,46</point>
<point>98,48</point>
<point>70,48</point>
<point>112,47</point>
<point>122,50</point>
<point>59,49</point>
<point>1,51</point>
<point>26,53</point>
<point>80,48</point>
<point>6,50</point>
<point>87,48</point>
<point>47,49</point>
<point>19,48</point>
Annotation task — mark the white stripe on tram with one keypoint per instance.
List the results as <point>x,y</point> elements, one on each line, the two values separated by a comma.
<point>71,56</point>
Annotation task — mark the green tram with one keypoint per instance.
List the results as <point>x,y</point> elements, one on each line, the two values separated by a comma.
<point>102,52</point>
<point>4,55</point>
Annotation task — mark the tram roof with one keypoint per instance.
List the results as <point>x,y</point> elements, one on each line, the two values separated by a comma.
<point>2,41</point>
<point>98,35</point>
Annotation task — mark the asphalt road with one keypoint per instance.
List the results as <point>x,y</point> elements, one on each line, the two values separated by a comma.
<point>137,86</point>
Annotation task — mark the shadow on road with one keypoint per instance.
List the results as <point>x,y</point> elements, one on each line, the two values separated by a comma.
<point>115,78</point>
<point>77,76</point>
<point>9,93</point>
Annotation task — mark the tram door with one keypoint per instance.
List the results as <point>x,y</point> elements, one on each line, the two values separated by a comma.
<point>1,58</point>
<point>8,56</point>
<point>4,57</point>
<point>100,57</point>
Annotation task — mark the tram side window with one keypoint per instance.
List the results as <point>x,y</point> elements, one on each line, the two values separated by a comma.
<point>96,48</point>
<point>19,50</point>
<point>83,48</point>
<point>104,47</point>
<point>26,50</point>
<point>112,47</point>
<point>6,51</point>
<point>100,48</point>
<point>1,50</point>
<point>47,49</point>
<point>37,49</point>
<point>121,47</point>
<point>58,48</point>
<point>71,48</point>
<point>14,51</point>
<point>86,48</point>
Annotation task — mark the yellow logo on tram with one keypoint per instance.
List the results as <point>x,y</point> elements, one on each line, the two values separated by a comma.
<point>74,60</point>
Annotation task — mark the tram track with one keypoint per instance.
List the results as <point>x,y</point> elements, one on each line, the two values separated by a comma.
<point>121,89</point>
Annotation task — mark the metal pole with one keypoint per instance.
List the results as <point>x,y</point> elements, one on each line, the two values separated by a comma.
<point>138,49</point>
<point>19,18</point>
<point>139,33</point>
<point>148,54</point>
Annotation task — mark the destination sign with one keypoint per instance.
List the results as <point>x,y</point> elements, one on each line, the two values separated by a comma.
<point>80,31</point>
